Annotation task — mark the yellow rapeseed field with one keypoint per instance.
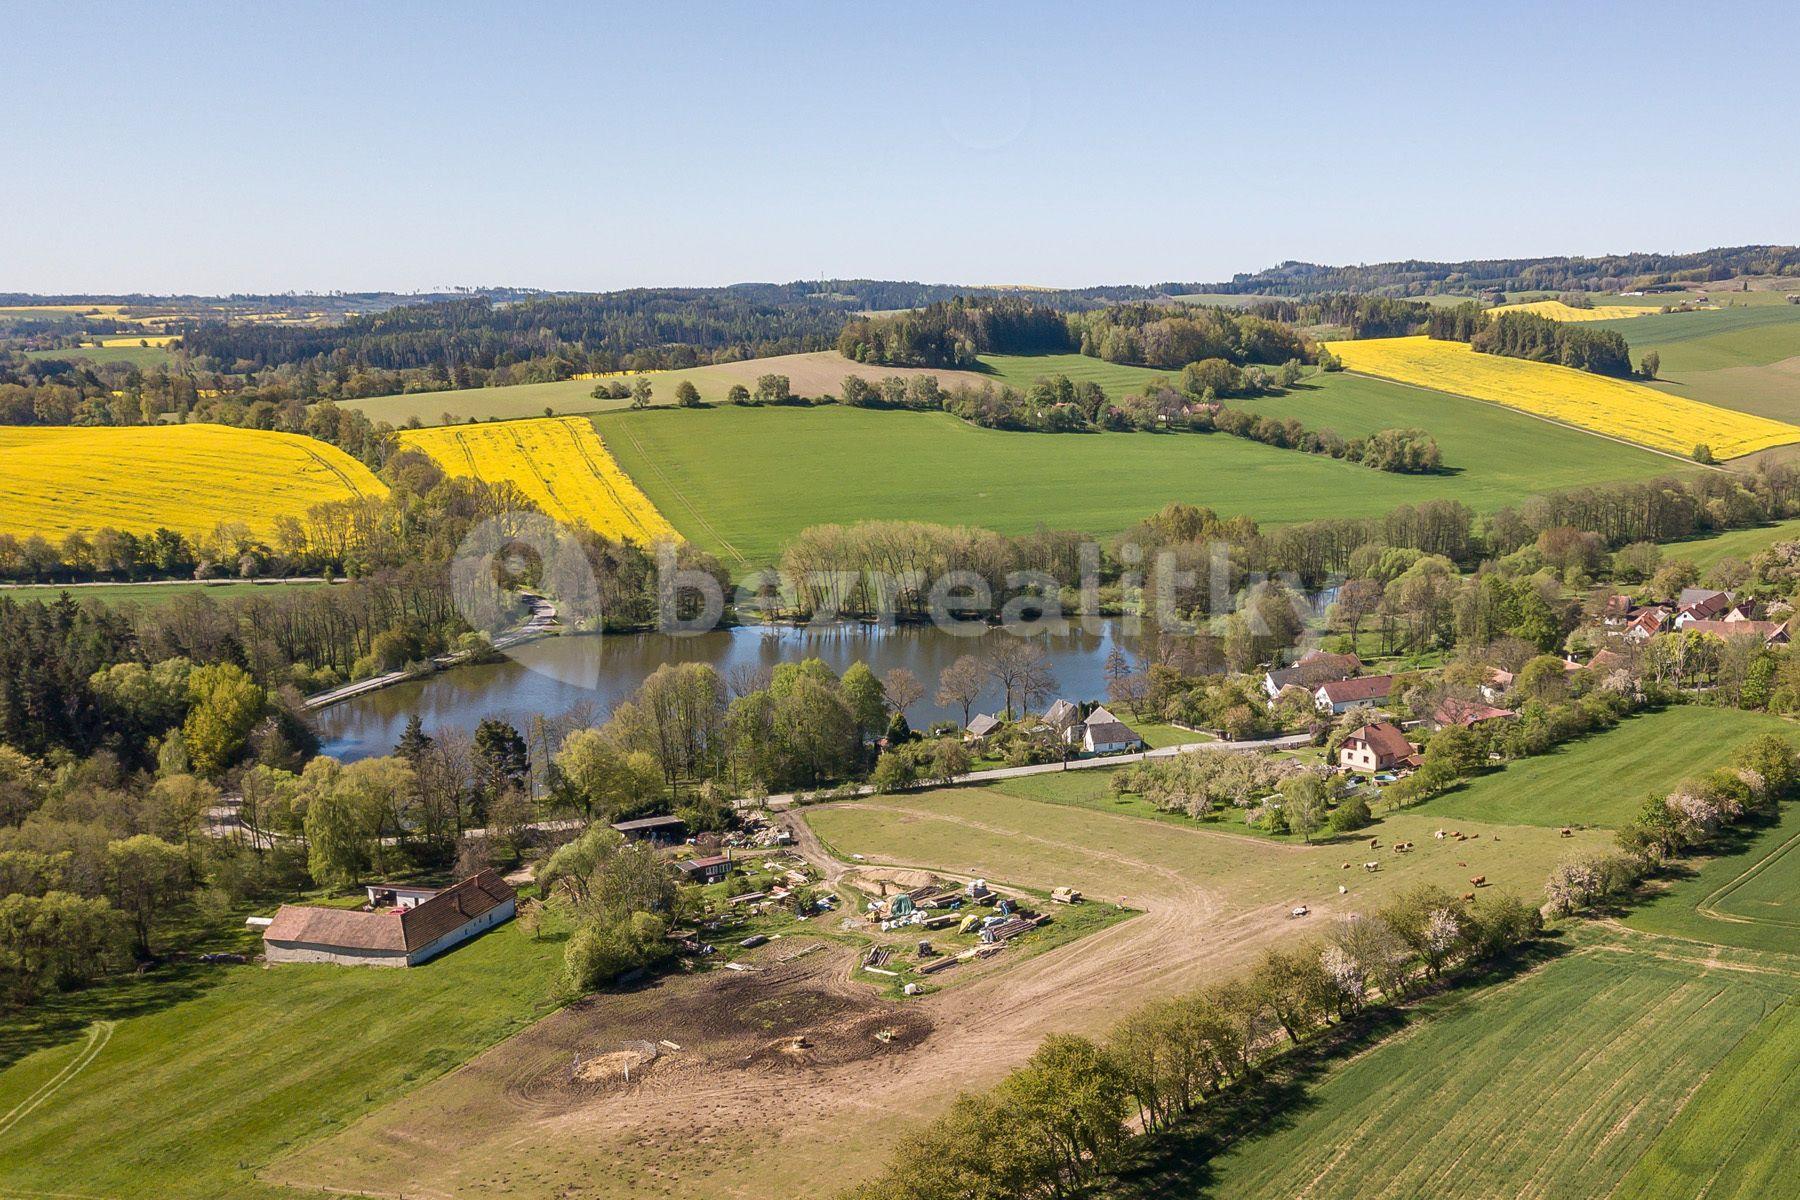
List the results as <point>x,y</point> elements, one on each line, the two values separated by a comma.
<point>1611,406</point>
<point>1556,310</point>
<point>57,480</point>
<point>560,462</point>
<point>155,339</point>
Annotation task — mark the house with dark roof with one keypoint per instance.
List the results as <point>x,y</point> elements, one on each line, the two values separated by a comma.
<point>403,935</point>
<point>1314,668</point>
<point>711,869</point>
<point>1379,746</point>
<point>1700,604</point>
<point>1340,695</point>
<point>1063,716</point>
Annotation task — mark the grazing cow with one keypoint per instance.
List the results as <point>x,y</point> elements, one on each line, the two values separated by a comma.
<point>1439,835</point>
<point>1479,880</point>
<point>1567,832</point>
<point>1342,890</point>
<point>1468,895</point>
<point>1372,866</point>
<point>1374,843</point>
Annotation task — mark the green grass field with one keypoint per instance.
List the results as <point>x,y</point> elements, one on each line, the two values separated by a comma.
<point>1749,898</point>
<point>1556,1083</point>
<point>1603,780</point>
<point>1738,1135</point>
<point>139,356</point>
<point>192,1099</point>
<point>1745,357</point>
<point>152,594</point>
<point>1704,552</point>
<point>743,481</point>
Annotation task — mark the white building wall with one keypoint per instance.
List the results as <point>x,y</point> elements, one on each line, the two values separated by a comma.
<point>310,952</point>
<point>483,923</point>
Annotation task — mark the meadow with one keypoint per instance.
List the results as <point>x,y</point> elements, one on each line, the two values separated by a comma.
<point>1748,898</point>
<point>60,480</point>
<point>1603,779</point>
<point>1705,551</point>
<point>138,356</point>
<point>220,1082</point>
<point>1744,357</point>
<point>560,462</point>
<point>1613,407</point>
<point>743,481</point>
<point>1561,1082</point>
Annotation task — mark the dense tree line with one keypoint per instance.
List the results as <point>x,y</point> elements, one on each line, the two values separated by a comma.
<point>1361,316</point>
<point>953,333</point>
<point>1414,277</point>
<point>1527,335</point>
<point>1173,336</point>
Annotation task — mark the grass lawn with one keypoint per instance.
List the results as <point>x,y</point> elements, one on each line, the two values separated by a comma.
<point>1158,736</point>
<point>1748,895</point>
<point>1065,828</point>
<point>742,482</point>
<point>1602,780</point>
<point>1555,1083</point>
<point>1703,552</point>
<point>192,1098</point>
<point>152,594</point>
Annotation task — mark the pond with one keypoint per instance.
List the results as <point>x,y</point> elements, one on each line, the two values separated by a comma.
<point>593,673</point>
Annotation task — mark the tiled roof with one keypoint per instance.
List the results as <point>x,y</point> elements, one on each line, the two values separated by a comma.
<point>1367,687</point>
<point>401,932</point>
<point>1385,739</point>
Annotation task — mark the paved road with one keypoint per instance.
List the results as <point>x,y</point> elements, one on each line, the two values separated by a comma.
<point>1292,741</point>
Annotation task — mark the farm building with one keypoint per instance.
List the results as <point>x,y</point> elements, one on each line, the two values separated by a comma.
<point>397,895</point>
<point>1343,694</point>
<point>403,935</point>
<point>1376,747</point>
<point>711,869</point>
<point>1314,668</point>
<point>1103,733</point>
<point>659,831</point>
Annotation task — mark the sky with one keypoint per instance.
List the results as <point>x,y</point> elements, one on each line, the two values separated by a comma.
<point>176,148</point>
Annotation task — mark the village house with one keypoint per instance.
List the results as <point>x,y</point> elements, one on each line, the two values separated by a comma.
<point>711,869</point>
<point>981,728</point>
<point>1061,717</point>
<point>1314,668</point>
<point>658,831</point>
<point>1341,695</point>
<point>1451,711</point>
<point>418,925</point>
<point>1700,604</point>
<point>1377,747</point>
<point>1772,633</point>
<point>1103,733</point>
<point>1647,624</point>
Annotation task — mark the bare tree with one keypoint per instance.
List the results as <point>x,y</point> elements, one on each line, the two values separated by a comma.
<point>903,688</point>
<point>1022,670</point>
<point>960,683</point>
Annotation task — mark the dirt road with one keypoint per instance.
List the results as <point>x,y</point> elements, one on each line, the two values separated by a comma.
<point>715,1121</point>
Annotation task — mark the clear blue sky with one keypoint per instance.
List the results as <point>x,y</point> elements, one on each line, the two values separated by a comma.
<point>258,147</point>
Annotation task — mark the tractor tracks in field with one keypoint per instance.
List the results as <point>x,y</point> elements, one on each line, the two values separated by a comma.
<point>99,1033</point>
<point>693,509</point>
